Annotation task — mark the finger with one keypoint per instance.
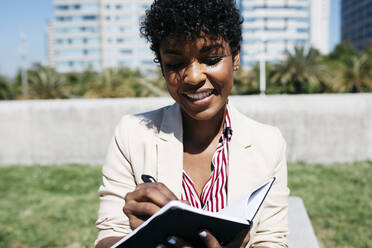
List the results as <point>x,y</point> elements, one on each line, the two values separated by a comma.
<point>135,221</point>
<point>140,208</point>
<point>160,246</point>
<point>177,242</point>
<point>157,193</point>
<point>209,240</point>
<point>240,240</point>
<point>138,212</point>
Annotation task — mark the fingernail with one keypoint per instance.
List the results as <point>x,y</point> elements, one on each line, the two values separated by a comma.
<point>203,234</point>
<point>172,241</point>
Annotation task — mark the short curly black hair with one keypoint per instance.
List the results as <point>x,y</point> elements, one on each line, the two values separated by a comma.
<point>191,19</point>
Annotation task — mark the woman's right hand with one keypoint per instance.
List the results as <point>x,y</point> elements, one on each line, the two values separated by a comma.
<point>241,240</point>
<point>145,201</point>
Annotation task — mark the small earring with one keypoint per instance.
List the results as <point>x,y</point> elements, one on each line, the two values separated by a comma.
<point>236,68</point>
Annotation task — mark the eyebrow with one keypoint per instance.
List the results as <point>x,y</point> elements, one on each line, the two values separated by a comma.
<point>172,51</point>
<point>203,50</point>
<point>210,47</point>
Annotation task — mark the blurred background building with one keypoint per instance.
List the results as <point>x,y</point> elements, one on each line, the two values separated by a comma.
<point>97,34</point>
<point>356,23</point>
<point>104,33</point>
<point>273,26</point>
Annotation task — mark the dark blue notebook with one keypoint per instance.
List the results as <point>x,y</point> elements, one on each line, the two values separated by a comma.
<point>179,219</point>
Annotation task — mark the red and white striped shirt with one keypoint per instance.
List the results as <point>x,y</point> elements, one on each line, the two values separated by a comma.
<point>214,193</point>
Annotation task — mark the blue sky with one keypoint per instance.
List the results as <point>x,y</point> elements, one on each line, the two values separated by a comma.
<point>31,16</point>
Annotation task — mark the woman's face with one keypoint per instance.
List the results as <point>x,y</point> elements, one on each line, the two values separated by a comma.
<point>198,74</point>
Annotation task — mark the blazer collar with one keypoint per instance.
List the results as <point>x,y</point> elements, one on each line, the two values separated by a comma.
<point>242,159</point>
<point>241,134</point>
<point>171,125</point>
<point>246,165</point>
<point>170,149</point>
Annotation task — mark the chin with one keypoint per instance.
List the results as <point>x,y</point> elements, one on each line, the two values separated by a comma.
<point>203,115</point>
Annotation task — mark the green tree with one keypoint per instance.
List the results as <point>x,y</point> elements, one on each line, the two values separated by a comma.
<point>342,53</point>
<point>80,83</point>
<point>5,92</point>
<point>247,81</point>
<point>300,72</point>
<point>123,82</point>
<point>156,84</point>
<point>46,83</point>
<point>110,83</point>
<point>354,75</point>
<point>351,70</point>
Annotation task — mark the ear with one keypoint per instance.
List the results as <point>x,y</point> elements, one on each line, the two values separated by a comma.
<point>236,60</point>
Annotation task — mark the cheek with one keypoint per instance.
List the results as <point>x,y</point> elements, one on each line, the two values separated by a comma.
<point>222,76</point>
<point>172,79</point>
<point>172,83</point>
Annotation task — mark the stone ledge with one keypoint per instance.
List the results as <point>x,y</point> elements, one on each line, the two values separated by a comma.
<point>301,233</point>
<point>326,128</point>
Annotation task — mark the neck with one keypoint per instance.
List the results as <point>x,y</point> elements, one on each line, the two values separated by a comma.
<point>200,133</point>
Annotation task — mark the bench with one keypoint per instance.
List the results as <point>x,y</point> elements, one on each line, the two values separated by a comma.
<point>301,233</point>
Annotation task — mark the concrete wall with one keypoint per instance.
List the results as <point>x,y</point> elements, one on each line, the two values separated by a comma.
<point>318,128</point>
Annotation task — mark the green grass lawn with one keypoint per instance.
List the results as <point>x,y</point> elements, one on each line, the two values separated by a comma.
<point>56,206</point>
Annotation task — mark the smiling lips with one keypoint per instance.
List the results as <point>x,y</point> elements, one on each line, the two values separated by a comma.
<point>199,95</point>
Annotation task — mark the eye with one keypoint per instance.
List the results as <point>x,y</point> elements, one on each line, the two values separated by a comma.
<point>211,60</point>
<point>174,66</point>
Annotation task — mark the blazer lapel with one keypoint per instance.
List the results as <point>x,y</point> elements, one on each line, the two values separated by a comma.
<point>170,150</point>
<point>245,163</point>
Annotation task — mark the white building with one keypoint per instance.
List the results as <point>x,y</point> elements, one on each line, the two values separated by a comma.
<point>98,34</point>
<point>273,26</point>
<point>320,24</point>
<point>105,33</point>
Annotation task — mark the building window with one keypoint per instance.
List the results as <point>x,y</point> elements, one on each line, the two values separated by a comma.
<point>126,51</point>
<point>119,6</point>
<point>62,7</point>
<point>302,30</point>
<point>89,17</point>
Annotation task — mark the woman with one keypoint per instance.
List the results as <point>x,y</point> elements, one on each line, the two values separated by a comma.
<point>201,149</point>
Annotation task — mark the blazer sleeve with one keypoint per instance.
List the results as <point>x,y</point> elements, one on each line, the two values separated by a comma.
<point>117,181</point>
<point>272,229</point>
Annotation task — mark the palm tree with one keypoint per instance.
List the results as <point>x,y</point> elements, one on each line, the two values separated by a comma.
<point>355,75</point>
<point>155,84</point>
<point>110,83</point>
<point>4,88</point>
<point>247,82</point>
<point>46,83</point>
<point>80,82</point>
<point>301,70</point>
<point>123,82</point>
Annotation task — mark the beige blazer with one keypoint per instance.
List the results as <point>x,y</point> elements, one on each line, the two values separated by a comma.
<point>151,143</point>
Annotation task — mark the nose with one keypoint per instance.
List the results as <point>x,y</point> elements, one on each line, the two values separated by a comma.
<point>194,73</point>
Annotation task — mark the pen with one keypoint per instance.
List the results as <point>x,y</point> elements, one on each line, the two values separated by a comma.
<point>148,179</point>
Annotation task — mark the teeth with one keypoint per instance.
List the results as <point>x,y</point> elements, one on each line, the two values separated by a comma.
<point>198,96</point>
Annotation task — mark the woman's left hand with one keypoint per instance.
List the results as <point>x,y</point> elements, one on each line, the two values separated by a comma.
<point>240,240</point>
